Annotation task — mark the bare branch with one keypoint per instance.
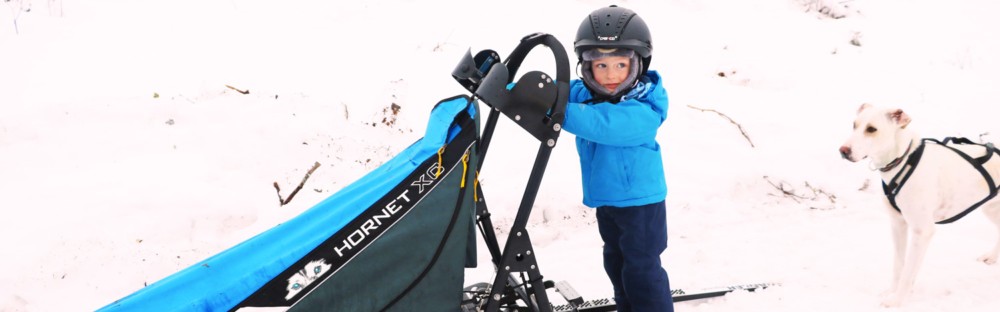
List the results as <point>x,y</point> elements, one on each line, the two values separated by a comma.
<point>281,201</point>
<point>781,186</point>
<point>816,193</point>
<point>297,188</point>
<point>238,90</point>
<point>730,120</point>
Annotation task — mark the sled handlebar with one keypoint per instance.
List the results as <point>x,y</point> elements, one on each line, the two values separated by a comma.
<point>537,102</point>
<point>531,41</point>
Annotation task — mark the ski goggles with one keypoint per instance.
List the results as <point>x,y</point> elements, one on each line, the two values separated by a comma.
<point>599,53</point>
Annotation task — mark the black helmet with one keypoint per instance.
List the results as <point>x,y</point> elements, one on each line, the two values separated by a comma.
<point>615,27</point>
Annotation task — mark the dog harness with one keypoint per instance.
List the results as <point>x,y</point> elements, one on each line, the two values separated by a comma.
<point>904,173</point>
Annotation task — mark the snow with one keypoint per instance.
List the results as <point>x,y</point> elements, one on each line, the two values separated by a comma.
<point>124,156</point>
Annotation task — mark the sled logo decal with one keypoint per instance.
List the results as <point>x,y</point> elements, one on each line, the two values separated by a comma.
<point>306,276</point>
<point>426,179</point>
<point>374,223</point>
<point>321,264</point>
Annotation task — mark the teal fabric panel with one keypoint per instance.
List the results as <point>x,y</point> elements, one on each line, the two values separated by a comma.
<point>221,281</point>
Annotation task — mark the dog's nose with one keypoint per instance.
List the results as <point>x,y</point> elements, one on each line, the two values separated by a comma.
<point>845,151</point>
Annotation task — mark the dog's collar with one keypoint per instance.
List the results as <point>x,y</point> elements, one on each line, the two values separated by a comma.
<point>897,161</point>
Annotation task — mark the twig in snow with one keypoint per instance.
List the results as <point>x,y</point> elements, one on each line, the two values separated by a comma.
<point>817,192</point>
<point>297,188</point>
<point>238,90</point>
<point>781,187</point>
<point>790,192</point>
<point>730,120</point>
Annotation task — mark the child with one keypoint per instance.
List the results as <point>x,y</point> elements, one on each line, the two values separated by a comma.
<point>615,112</point>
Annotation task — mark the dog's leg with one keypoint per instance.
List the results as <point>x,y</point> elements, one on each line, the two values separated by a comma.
<point>992,211</point>
<point>920,236</point>
<point>899,231</point>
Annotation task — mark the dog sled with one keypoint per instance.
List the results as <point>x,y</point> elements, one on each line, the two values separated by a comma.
<point>401,237</point>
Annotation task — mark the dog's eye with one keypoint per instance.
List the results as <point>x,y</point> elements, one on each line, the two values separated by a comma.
<point>870,129</point>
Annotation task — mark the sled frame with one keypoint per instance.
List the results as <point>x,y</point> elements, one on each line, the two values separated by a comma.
<point>536,103</point>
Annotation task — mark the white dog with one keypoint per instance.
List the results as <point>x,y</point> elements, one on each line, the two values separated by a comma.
<point>950,181</point>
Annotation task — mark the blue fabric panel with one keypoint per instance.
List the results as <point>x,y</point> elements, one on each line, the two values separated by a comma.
<point>223,280</point>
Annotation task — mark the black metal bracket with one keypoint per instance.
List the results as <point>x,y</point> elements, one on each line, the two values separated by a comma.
<point>537,104</point>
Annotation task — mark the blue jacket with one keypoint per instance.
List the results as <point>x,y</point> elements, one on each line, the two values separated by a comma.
<point>619,156</point>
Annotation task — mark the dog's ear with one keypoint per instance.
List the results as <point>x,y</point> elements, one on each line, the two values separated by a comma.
<point>864,107</point>
<point>899,117</point>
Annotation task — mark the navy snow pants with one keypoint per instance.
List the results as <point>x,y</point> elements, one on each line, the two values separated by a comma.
<point>634,238</point>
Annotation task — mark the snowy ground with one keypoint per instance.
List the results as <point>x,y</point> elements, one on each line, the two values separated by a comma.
<point>125,157</point>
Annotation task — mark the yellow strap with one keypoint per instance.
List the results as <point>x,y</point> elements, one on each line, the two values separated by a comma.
<point>475,188</point>
<point>465,167</point>
<point>440,162</point>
